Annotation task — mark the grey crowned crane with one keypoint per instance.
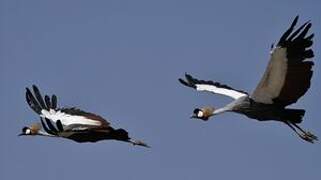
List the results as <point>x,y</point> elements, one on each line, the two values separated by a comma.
<point>286,78</point>
<point>70,123</point>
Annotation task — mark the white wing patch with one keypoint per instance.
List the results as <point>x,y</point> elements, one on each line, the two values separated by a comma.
<point>67,119</point>
<point>219,90</point>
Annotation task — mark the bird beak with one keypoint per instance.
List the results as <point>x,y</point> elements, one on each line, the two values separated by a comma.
<point>21,134</point>
<point>193,117</point>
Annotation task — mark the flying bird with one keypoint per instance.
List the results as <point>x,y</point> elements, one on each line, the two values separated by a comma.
<point>71,123</point>
<point>286,78</point>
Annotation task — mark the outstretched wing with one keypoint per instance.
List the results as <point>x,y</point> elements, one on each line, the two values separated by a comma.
<point>288,74</point>
<point>58,119</point>
<point>71,116</point>
<point>213,87</point>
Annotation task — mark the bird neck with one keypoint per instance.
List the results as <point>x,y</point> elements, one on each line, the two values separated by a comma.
<point>230,106</point>
<point>221,110</point>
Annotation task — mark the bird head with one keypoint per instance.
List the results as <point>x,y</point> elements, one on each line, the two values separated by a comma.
<point>203,113</point>
<point>25,131</point>
<point>32,130</point>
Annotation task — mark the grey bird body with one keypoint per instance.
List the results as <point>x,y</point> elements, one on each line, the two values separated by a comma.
<point>262,112</point>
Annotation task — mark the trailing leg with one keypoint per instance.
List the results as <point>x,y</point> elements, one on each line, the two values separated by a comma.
<point>307,133</point>
<point>302,135</point>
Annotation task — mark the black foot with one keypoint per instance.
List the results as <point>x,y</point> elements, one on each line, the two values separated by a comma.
<point>309,137</point>
<point>314,137</point>
<point>140,143</point>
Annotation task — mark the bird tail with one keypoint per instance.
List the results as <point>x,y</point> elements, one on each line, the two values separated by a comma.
<point>293,115</point>
<point>121,134</point>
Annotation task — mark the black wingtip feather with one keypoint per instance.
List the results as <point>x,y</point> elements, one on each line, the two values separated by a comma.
<point>188,84</point>
<point>182,82</point>
<point>32,102</point>
<point>297,44</point>
<point>305,31</point>
<point>39,97</point>
<point>297,32</point>
<point>47,101</point>
<point>310,36</point>
<point>53,101</point>
<point>190,81</point>
<point>288,32</point>
<point>189,77</point>
<point>309,54</point>
<point>295,21</point>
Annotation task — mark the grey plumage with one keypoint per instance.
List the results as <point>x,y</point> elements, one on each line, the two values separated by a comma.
<point>286,79</point>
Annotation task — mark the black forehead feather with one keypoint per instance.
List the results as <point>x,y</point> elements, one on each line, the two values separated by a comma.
<point>196,110</point>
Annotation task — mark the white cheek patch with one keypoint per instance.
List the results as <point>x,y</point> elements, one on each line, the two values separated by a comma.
<point>28,131</point>
<point>200,114</point>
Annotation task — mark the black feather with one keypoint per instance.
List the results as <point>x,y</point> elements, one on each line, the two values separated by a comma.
<point>53,101</point>
<point>308,43</point>
<point>305,31</point>
<point>297,31</point>
<point>283,38</point>
<point>310,37</point>
<point>39,97</point>
<point>59,126</point>
<point>51,126</point>
<point>32,102</point>
<point>47,100</point>
<point>308,54</point>
<point>46,128</point>
<point>186,83</point>
<point>190,78</point>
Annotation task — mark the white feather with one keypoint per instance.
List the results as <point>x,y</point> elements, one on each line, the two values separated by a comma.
<point>200,114</point>
<point>219,90</point>
<point>67,119</point>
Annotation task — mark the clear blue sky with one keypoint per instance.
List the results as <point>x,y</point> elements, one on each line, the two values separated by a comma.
<point>121,59</point>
